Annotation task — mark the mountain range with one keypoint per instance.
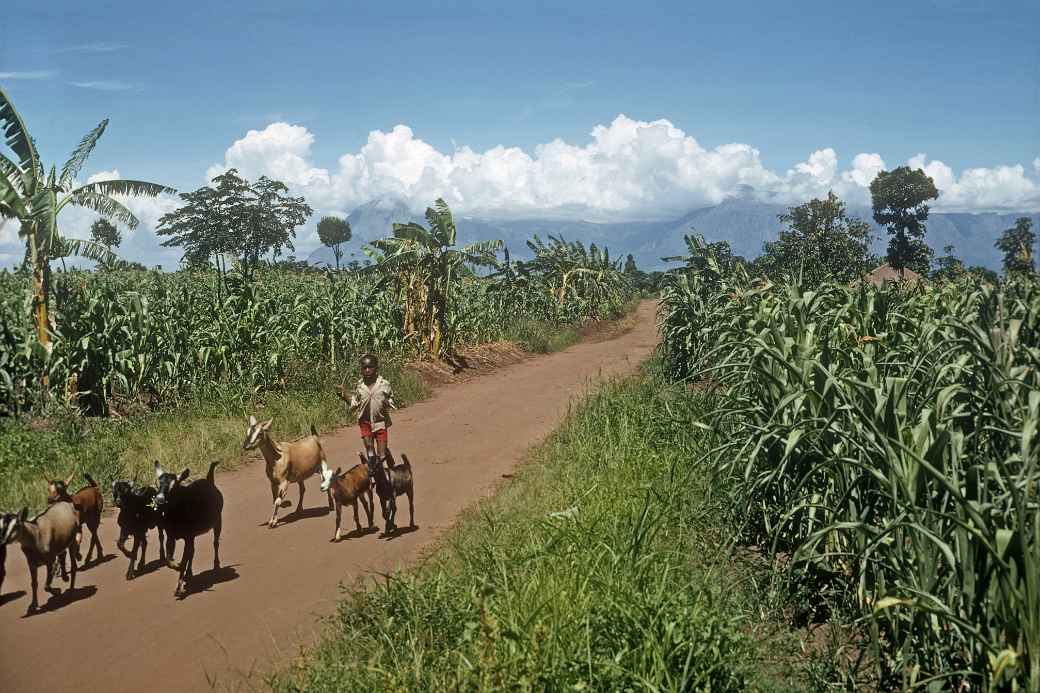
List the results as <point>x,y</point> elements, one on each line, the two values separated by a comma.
<point>745,224</point>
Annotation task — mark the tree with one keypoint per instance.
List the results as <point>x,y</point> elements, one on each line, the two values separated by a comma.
<point>899,198</point>
<point>334,232</point>
<point>949,266</point>
<point>1017,245</point>
<point>819,244</point>
<point>36,198</point>
<point>103,232</point>
<point>424,266</point>
<point>630,265</point>
<point>234,218</point>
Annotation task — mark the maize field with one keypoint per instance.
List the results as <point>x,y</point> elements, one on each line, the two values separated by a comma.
<point>163,337</point>
<point>884,440</point>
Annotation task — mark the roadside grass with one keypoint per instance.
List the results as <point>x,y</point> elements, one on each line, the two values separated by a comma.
<point>542,337</point>
<point>600,566</point>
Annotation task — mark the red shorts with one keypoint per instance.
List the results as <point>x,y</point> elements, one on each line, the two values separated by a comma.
<point>366,431</point>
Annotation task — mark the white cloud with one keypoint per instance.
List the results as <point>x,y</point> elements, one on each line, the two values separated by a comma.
<point>1036,165</point>
<point>628,169</point>
<point>103,85</point>
<point>99,47</point>
<point>29,74</point>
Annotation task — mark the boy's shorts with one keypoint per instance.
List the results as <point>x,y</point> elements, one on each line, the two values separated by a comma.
<point>366,431</point>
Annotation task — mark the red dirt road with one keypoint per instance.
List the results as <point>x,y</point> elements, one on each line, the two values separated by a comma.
<point>264,606</point>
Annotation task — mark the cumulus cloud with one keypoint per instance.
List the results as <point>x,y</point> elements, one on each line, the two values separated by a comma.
<point>629,169</point>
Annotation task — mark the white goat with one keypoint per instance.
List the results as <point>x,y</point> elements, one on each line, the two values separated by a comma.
<point>286,462</point>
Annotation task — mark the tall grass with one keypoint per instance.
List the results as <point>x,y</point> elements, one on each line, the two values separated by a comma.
<point>887,440</point>
<point>594,569</point>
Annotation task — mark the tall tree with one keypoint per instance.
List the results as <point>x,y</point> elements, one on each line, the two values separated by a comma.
<point>234,218</point>
<point>425,267</point>
<point>899,198</point>
<point>103,232</point>
<point>630,265</point>
<point>819,243</point>
<point>1017,244</point>
<point>36,198</point>
<point>949,266</point>
<point>334,232</point>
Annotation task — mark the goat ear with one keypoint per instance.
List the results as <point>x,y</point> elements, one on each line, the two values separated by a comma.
<point>184,474</point>
<point>252,420</point>
<point>158,470</point>
<point>68,482</point>
<point>267,424</point>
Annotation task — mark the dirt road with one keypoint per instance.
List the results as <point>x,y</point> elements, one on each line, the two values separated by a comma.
<point>264,606</point>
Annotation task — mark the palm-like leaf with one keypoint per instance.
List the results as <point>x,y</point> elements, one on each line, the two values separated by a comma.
<point>16,136</point>
<point>127,188</point>
<point>103,205</point>
<point>68,247</point>
<point>72,167</point>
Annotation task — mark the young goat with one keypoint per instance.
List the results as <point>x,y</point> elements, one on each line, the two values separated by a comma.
<point>88,502</point>
<point>43,538</point>
<point>7,521</point>
<point>188,511</point>
<point>349,487</point>
<point>137,515</point>
<point>286,462</point>
<point>390,483</point>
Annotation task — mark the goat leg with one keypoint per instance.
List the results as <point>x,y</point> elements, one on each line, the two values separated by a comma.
<point>34,579</point>
<point>95,541</point>
<point>411,508</point>
<point>329,494</point>
<point>144,550</point>
<point>279,494</point>
<point>339,513</point>
<point>299,506</point>
<point>72,569</point>
<point>133,556</point>
<point>369,506</point>
<point>185,573</point>
<point>216,542</point>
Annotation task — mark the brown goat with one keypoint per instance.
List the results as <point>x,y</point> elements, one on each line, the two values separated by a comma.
<point>348,487</point>
<point>88,503</point>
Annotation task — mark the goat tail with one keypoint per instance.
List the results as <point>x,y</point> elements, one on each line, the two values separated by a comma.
<point>212,468</point>
<point>314,431</point>
<point>407,464</point>
<point>90,480</point>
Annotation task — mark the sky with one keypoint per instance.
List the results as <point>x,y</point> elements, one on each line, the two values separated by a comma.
<point>594,110</point>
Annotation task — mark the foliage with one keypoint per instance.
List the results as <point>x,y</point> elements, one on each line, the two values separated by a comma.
<point>1017,244</point>
<point>885,439</point>
<point>333,232</point>
<point>899,199</point>
<point>948,267</point>
<point>103,232</point>
<point>820,243</point>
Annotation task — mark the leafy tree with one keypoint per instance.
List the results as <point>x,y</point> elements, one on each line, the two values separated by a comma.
<point>1017,245</point>
<point>899,198</point>
<point>983,274</point>
<point>103,232</point>
<point>949,266</point>
<point>334,232</point>
<point>35,198</point>
<point>424,266</point>
<point>630,265</point>
<point>236,219</point>
<point>698,252</point>
<point>820,243</point>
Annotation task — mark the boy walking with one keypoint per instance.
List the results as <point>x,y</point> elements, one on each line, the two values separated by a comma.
<point>371,402</point>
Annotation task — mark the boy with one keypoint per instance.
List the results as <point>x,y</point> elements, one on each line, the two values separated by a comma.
<point>371,402</point>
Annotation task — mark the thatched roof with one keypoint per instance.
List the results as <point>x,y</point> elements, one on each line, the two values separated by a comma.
<point>886,273</point>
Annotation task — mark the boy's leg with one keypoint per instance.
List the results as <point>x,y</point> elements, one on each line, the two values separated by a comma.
<point>381,443</point>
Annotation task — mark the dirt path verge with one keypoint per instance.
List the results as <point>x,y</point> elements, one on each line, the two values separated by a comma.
<point>263,606</point>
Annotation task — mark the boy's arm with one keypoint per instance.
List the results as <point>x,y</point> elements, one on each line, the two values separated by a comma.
<point>390,396</point>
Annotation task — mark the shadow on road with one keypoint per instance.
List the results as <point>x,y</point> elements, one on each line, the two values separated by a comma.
<point>206,580</point>
<point>64,598</point>
<point>11,596</point>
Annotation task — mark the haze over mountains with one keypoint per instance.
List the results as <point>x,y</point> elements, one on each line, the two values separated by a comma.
<point>745,224</point>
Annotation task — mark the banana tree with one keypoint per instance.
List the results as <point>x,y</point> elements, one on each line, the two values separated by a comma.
<point>426,267</point>
<point>35,198</point>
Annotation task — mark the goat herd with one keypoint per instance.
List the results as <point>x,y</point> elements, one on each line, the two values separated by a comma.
<point>181,509</point>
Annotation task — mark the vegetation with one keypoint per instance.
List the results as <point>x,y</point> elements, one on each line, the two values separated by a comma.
<point>597,568</point>
<point>899,198</point>
<point>1017,244</point>
<point>35,199</point>
<point>885,440</point>
<point>333,232</point>
<point>103,232</point>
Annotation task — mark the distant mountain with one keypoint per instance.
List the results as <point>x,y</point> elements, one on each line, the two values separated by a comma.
<point>745,224</point>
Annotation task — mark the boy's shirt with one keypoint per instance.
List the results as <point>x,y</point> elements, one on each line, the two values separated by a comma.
<point>373,403</point>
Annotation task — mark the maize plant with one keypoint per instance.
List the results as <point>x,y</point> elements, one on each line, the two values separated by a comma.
<point>886,439</point>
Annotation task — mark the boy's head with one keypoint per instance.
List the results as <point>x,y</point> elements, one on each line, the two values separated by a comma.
<point>369,365</point>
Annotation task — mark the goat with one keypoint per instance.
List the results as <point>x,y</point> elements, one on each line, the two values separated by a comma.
<point>390,483</point>
<point>188,511</point>
<point>286,462</point>
<point>7,521</point>
<point>88,502</point>
<point>348,487</point>
<point>137,515</point>
<point>43,538</point>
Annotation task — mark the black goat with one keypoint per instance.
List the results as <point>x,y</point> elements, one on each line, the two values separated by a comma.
<point>390,483</point>
<point>188,511</point>
<point>7,522</point>
<point>137,514</point>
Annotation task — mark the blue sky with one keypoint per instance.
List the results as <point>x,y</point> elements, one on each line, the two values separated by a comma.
<point>957,80</point>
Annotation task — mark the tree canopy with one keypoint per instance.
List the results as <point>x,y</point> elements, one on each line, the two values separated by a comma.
<point>104,232</point>
<point>333,232</point>
<point>899,198</point>
<point>1017,244</point>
